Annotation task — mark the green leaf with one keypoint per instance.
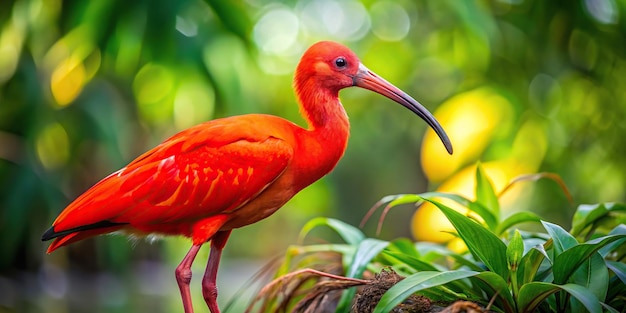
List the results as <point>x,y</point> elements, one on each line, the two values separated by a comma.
<point>616,292</point>
<point>586,215</point>
<point>514,254</point>
<point>498,287</point>
<point>516,218</point>
<point>530,263</point>
<point>618,230</point>
<point>515,251</point>
<point>481,242</point>
<point>412,262</point>
<point>414,283</point>
<point>619,269</point>
<point>433,253</point>
<point>349,233</point>
<point>593,274</point>
<point>485,194</point>
<point>404,246</point>
<point>567,262</point>
<point>532,294</point>
<point>419,265</point>
<point>365,252</point>
<point>487,216</point>
<point>609,308</point>
<point>472,265</point>
<point>562,239</point>
<point>585,296</point>
<point>404,199</point>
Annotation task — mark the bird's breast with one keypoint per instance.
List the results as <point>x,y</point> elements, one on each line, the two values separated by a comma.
<point>264,205</point>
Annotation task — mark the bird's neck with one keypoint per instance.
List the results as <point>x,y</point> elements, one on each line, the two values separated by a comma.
<point>328,126</point>
<point>321,107</point>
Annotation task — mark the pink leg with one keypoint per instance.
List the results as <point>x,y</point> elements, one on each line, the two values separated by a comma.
<point>183,277</point>
<point>209,287</point>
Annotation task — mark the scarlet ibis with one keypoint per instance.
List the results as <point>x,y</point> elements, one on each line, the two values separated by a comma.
<point>227,173</point>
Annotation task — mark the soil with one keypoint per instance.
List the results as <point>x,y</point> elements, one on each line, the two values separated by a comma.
<point>368,297</point>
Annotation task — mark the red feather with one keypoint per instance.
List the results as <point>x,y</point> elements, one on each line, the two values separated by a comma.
<point>210,169</point>
<point>231,172</point>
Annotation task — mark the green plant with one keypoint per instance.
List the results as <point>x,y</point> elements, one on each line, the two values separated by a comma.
<point>504,268</point>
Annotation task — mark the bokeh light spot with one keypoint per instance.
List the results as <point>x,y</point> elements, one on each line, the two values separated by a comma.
<point>583,50</point>
<point>67,80</point>
<point>544,92</point>
<point>152,83</point>
<point>276,31</point>
<point>8,62</point>
<point>52,146</point>
<point>129,44</point>
<point>152,86</point>
<point>194,103</point>
<point>603,11</point>
<point>345,20</point>
<point>390,21</point>
<point>11,40</point>
<point>186,26</point>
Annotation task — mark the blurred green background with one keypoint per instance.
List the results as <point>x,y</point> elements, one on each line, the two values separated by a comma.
<point>85,86</point>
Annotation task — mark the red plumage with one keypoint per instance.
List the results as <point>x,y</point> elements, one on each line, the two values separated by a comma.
<point>227,173</point>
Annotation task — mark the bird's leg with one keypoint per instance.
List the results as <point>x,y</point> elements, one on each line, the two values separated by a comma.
<point>183,277</point>
<point>209,286</point>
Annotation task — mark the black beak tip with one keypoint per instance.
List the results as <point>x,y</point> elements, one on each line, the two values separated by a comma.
<point>443,137</point>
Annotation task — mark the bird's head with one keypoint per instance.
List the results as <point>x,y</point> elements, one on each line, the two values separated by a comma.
<point>331,66</point>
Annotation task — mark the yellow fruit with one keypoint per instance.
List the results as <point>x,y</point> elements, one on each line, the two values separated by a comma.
<point>471,120</point>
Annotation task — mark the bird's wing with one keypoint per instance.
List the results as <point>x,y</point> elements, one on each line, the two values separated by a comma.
<point>209,169</point>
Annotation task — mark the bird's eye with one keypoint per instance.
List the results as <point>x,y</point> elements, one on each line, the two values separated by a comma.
<point>341,62</point>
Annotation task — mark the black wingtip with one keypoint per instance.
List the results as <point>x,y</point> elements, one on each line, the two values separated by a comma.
<point>51,233</point>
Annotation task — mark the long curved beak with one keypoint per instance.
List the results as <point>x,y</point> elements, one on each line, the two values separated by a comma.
<point>369,80</point>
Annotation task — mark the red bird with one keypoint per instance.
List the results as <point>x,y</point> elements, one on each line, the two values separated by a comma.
<point>227,173</point>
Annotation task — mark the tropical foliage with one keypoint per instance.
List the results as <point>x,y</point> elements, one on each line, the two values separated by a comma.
<point>85,86</point>
<point>502,268</point>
